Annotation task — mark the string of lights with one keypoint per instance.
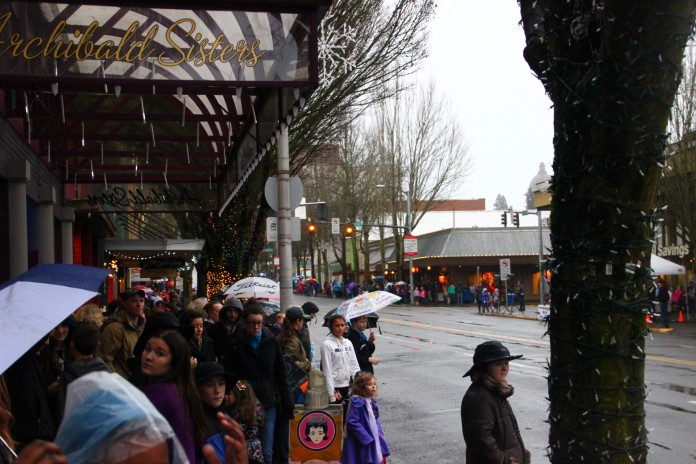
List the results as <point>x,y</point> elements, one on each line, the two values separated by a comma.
<point>611,70</point>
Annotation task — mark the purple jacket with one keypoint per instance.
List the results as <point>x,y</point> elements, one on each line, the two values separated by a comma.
<point>167,400</point>
<point>359,444</point>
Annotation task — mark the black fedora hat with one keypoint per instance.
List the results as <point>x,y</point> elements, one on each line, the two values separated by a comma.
<point>488,352</point>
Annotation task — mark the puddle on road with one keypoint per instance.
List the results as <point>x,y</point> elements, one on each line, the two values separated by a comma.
<point>425,340</point>
<point>669,406</point>
<point>673,387</point>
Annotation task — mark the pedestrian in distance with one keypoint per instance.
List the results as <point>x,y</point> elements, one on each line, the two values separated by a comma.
<point>663,298</point>
<point>489,425</point>
<point>486,300</point>
<point>364,440</point>
<point>520,296</point>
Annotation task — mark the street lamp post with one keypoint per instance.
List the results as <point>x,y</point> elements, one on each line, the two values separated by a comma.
<point>410,229</point>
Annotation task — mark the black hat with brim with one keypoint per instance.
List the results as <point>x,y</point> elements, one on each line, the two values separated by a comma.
<point>488,352</point>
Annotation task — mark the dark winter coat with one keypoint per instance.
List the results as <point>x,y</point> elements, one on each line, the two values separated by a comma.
<point>264,368</point>
<point>489,426</point>
<point>75,370</point>
<point>27,389</point>
<point>206,352</point>
<point>220,335</point>
<point>363,350</point>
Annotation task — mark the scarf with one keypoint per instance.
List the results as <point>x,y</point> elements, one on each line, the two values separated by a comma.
<point>255,341</point>
<point>373,426</point>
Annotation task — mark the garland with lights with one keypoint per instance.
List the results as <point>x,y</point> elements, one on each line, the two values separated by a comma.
<point>609,68</point>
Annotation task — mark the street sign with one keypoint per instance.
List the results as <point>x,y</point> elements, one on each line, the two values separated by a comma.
<point>358,224</point>
<point>268,250</point>
<point>271,229</point>
<point>410,245</point>
<point>335,226</point>
<point>505,269</point>
<point>271,192</point>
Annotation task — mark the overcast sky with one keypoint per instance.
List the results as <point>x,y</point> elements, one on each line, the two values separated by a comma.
<point>476,60</point>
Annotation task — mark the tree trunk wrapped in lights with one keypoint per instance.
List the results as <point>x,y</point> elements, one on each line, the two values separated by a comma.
<point>611,69</point>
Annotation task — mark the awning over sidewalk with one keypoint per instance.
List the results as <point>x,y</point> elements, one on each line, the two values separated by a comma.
<point>662,266</point>
<point>156,92</point>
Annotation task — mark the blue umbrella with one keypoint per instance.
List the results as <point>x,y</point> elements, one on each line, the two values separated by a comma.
<point>35,302</point>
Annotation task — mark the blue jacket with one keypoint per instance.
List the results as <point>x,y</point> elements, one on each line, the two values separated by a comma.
<point>359,445</point>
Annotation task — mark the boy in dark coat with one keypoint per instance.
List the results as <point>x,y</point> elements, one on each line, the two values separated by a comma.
<point>85,341</point>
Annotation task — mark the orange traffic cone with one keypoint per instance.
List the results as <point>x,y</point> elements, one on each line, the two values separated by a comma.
<point>648,319</point>
<point>681,316</point>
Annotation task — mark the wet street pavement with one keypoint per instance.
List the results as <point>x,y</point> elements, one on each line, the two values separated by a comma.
<point>425,350</point>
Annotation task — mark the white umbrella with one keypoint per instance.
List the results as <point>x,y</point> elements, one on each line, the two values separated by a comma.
<point>366,303</point>
<point>60,289</point>
<point>254,287</point>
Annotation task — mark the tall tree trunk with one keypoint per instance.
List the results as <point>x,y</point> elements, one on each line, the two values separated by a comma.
<point>611,69</point>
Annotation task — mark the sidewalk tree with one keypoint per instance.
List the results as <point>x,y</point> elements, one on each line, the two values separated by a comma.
<point>677,194</point>
<point>421,150</point>
<point>611,69</point>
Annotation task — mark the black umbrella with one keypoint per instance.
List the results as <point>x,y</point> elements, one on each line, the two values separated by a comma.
<point>270,310</point>
<point>372,319</point>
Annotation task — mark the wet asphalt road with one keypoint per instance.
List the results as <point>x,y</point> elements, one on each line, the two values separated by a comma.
<point>425,351</point>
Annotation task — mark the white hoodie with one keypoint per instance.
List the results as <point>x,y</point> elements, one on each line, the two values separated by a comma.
<point>338,363</point>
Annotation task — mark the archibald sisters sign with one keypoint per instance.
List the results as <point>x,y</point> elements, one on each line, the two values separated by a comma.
<point>146,198</point>
<point>64,40</point>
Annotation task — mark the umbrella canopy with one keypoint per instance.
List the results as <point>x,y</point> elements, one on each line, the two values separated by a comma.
<point>366,303</point>
<point>254,287</point>
<point>270,310</point>
<point>372,319</point>
<point>61,289</point>
<point>662,266</point>
<point>401,282</point>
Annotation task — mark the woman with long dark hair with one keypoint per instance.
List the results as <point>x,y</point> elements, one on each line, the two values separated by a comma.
<point>166,367</point>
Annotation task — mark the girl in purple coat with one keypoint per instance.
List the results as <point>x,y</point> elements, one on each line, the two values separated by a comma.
<point>364,441</point>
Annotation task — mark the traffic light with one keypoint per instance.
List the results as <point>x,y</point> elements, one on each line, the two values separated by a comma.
<point>516,219</point>
<point>311,228</point>
<point>322,212</point>
<point>349,230</point>
<point>503,219</point>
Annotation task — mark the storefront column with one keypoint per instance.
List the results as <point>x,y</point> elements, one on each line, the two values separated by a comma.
<point>20,174</point>
<point>45,241</point>
<point>67,217</point>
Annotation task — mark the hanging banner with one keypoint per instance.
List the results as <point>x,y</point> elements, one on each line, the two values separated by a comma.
<point>60,40</point>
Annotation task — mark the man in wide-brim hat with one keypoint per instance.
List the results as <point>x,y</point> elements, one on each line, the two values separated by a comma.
<point>489,425</point>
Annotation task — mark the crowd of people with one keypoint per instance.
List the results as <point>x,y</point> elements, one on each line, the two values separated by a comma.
<point>221,382</point>
<point>216,372</point>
